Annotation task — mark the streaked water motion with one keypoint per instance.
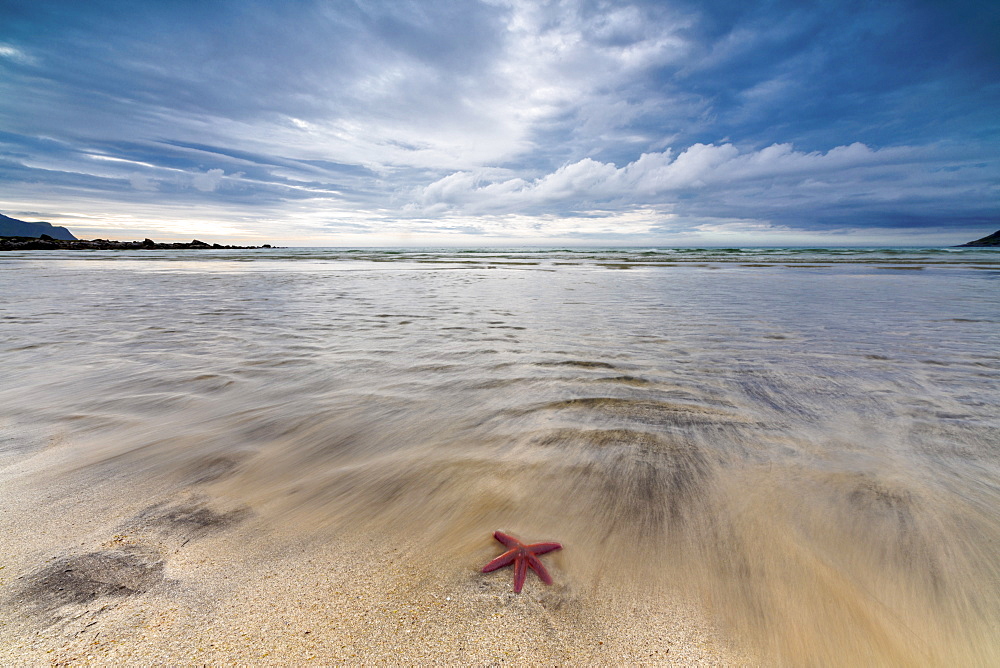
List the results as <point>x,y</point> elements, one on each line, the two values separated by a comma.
<point>805,440</point>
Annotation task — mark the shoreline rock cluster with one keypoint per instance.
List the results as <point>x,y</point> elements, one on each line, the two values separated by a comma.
<point>45,242</point>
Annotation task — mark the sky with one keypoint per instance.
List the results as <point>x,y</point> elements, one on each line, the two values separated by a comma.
<point>504,122</point>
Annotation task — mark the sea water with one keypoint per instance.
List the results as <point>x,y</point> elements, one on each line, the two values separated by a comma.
<point>807,441</point>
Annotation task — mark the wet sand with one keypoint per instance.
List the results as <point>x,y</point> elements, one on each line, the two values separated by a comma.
<point>206,459</point>
<point>101,572</point>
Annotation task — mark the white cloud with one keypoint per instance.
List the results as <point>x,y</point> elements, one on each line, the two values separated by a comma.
<point>568,68</point>
<point>15,54</point>
<point>647,179</point>
<point>542,228</point>
<point>555,66</point>
<point>741,227</point>
<point>208,181</point>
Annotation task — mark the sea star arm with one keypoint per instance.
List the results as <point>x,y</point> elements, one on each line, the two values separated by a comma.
<point>501,561</point>
<point>520,572</point>
<point>537,566</point>
<point>508,541</point>
<point>543,548</point>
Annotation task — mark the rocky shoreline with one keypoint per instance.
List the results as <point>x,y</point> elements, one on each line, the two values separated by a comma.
<point>46,242</point>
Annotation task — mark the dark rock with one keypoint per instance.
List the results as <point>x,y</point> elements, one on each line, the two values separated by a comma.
<point>991,241</point>
<point>40,245</point>
<point>35,243</point>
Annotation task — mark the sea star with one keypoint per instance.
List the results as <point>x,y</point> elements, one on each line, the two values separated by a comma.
<point>524,557</point>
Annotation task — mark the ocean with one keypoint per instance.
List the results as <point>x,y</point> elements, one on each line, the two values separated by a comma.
<point>805,443</point>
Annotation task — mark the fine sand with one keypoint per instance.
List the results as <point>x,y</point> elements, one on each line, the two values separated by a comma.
<point>95,571</point>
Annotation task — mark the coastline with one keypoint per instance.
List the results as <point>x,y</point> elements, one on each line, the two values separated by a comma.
<point>45,242</point>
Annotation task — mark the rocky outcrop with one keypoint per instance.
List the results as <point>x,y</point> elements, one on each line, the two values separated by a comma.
<point>46,242</point>
<point>992,240</point>
<point>12,227</point>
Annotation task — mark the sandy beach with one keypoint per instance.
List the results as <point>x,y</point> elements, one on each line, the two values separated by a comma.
<point>226,458</point>
<point>102,573</point>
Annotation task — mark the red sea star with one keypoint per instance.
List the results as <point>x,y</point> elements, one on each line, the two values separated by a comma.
<point>524,557</point>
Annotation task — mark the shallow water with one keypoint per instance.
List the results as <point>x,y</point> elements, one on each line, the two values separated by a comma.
<point>806,441</point>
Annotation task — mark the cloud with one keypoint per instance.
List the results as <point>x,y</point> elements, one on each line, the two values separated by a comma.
<point>15,54</point>
<point>142,182</point>
<point>208,181</point>
<point>650,177</point>
<point>505,115</point>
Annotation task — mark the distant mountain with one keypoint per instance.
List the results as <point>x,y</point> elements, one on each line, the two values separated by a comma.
<point>12,227</point>
<point>991,240</point>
